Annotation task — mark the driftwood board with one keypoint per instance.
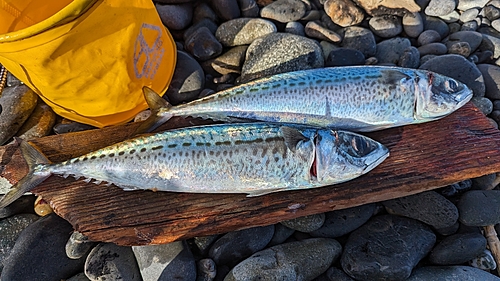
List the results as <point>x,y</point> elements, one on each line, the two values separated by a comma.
<point>423,157</point>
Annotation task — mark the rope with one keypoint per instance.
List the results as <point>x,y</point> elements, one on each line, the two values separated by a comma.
<point>3,77</point>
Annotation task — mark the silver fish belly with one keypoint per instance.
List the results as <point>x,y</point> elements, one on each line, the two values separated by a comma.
<point>358,98</point>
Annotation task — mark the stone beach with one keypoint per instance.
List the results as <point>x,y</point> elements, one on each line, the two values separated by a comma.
<point>434,235</point>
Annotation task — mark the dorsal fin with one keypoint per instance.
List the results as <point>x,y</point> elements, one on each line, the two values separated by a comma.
<point>292,137</point>
<point>393,76</point>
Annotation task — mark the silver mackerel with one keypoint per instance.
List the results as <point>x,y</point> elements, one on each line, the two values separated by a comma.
<point>357,98</point>
<point>254,158</point>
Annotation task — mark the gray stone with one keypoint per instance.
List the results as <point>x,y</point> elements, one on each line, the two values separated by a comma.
<point>480,207</point>
<point>317,31</point>
<point>425,58</point>
<point>172,261</point>
<point>203,243</point>
<point>78,245</point>
<point>484,261</point>
<point>202,11</point>
<point>281,234</point>
<point>284,10</point>
<point>231,61</point>
<point>280,52</point>
<point>341,222</point>
<point>21,205</point>
<point>460,48</point>
<point>41,246</point>
<point>491,76</point>
<point>413,24</point>
<point>428,36</point>
<point>243,31</point>
<point>484,104</point>
<point>226,9</point>
<point>454,27</point>
<point>203,45</point>
<point>12,80</point>
<point>306,223</point>
<point>235,246</point>
<point>79,277</point>
<point>452,18</point>
<point>108,261</point>
<point>343,12</point>
<point>361,39</point>
<point>459,68</point>
<point>469,26</point>
<point>345,57</point>
<point>491,43</point>
<point>206,270</point>
<point>428,207</point>
<point>438,25</point>
<point>205,22</point>
<point>469,15</point>
<point>10,228</point>
<point>491,13</point>
<point>469,4</point>
<point>386,26</point>
<point>451,273</point>
<point>300,260</point>
<point>473,38</point>
<point>334,274</point>
<point>458,248</point>
<point>390,50</point>
<point>438,8</point>
<point>295,27</point>
<point>410,58</point>
<point>175,17</point>
<point>188,80</point>
<point>484,182</point>
<point>432,49</point>
<point>386,248</point>
<point>17,104</point>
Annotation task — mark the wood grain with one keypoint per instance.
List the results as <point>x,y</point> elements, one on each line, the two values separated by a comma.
<point>423,157</point>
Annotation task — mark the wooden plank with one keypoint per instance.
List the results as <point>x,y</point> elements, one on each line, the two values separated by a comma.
<point>423,157</point>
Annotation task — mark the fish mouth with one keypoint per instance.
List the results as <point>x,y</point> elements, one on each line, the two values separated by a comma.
<point>463,98</point>
<point>374,160</point>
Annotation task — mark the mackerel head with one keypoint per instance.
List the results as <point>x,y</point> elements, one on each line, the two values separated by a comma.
<point>356,98</point>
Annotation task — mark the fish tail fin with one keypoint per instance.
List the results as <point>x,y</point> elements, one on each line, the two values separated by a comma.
<point>159,111</point>
<point>33,158</point>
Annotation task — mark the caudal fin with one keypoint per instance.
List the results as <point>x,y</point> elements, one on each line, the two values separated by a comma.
<point>159,111</point>
<point>33,157</point>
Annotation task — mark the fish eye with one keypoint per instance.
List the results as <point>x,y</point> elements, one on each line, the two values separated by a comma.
<point>451,85</point>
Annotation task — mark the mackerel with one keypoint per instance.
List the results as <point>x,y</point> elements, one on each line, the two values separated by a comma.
<point>356,98</point>
<point>255,159</point>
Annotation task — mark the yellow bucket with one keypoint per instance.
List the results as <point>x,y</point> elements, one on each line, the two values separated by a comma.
<point>88,59</point>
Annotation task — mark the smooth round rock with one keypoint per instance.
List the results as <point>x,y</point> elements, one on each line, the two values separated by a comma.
<point>17,104</point>
<point>436,24</point>
<point>484,261</point>
<point>334,274</point>
<point>361,39</point>
<point>78,277</point>
<point>460,48</point>
<point>203,11</point>
<point>305,224</point>
<point>451,273</point>
<point>249,8</point>
<point>231,61</point>
<point>206,270</point>
<point>281,234</point>
<point>459,68</point>
<point>78,245</point>
<point>243,31</point>
<point>469,4</point>
<point>390,50</point>
<point>341,222</point>
<point>226,9</point>
<point>188,80</point>
<point>300,260</point>
<point>428,207</point>
<point>469,15</point>
<point>469,26</point>
<point>175,17</point>
<point>203,45</point>
<point>490,43</point>
<point>428,36</point>
<point>203,243</point>
<point>314,30</point>
<point>473,38</point>
<point>284,10</point>
<point>108,261</point>
<point>295,27</point>
<point>22,205</point>
<point>343,12</point>
<point>456,188</point>
<point>432,49</point>
<point>452,18</point>
<point>280,52</point>
<point>208,23</point>
<point>484,104</point>
<point>438,8</point>
<point>458,248</point>
<point>386,26</point>
<point>490,12</point>
<point>41,246</point>
<point>413,24</point>
<point>235,246</point>
<point>386,248</point>
<point>479,207</point>
<point>410,58</point>
<point>491,75</point>
<point>172,261</point>
<point>345,57</point>
<point>10,228</point>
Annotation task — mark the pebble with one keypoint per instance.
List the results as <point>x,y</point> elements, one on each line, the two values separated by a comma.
<point>63,128</point>
<point>479,207</point>
<point>280,52</point>
<point>17,104</point>
<point>451,273</point>
<point>188,80</point>
<point>413,24</point>
<point>42,207</point>
<point>340,222</point>
<point>469,4</point>
<point>491,76</point>
<point>231,61</point>
<point>469,15</point>
<point>78,245</point>
<point>438,25</point>
<point>484,104</point>
<point>458,249</point>
<point>491,43</point>
<point>344,57</point>
<point>469,26</point>
<point>484,182</point>
<point>306,223</point>
<point>78,277</point>
<point>428,36</point>
<point>439,8</point>
<point>314,30</point>
<point>175,17</point>
<point>284,10</point>
<point>343,12</point>
<point>21,205</point>
<point>456,188</point>
<point>361,39</point>
<point>10,228</point>
<point>299,260</point>
<point>235,246</point>
<point>496,24</point>
<point>460,48</point>
<point>459,68</point>
<point>386,26</point>
<point>41,246</point>
<point>243,31</point>
<point>206,270</point>
<point>295,27</point>
<point>108,261</point>
<point>172,261</point>
<point>248,8</point>
<point>428,207</point>
<point>491,12</point>
<point>387,247</point>
<point>205,22</point>
<point>334,274</point>
<point>390,50</point>
<point>281,234</point>
<point>410,58</point>
<point>452,18</point>
<point>226,9</point>
<point>484,261</point>
<point>432,49</point>
<point>203,243</point>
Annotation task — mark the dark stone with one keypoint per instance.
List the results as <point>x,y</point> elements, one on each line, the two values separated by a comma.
<point>226,9</point>
<point>202,44</point>
<point>41,246</point>
<point>436,24</point>
<point>345,57</point>
<point>491,75</point>
<point>306,223</point>
<point>108,261</point>
<point>21,205</point>
<point>480,207</point>
<point>188,80</point>
<point>281,234</point>
<point>334,274</point>
<point>360,39</point>
<point>10,228</point>
<point>78,246</point>
<point>458,248</point>
<point>484,182</point>
<point>175,17</point>
<point>410,58</point>
<point>390,50</point>
<point>451,273</point>
<point>387,247</point>
<point>63,128</point>
<point>341,222</point>
<point>18,103</point>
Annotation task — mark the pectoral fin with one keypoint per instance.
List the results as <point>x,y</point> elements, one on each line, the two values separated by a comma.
<point>393,76</point>
<point>292,137</point>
